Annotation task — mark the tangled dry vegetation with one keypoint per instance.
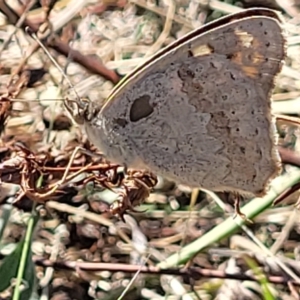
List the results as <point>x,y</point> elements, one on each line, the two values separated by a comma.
<point>75,234</point>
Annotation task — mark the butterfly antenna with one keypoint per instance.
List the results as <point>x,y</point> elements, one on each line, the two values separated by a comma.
<point>35,37</point>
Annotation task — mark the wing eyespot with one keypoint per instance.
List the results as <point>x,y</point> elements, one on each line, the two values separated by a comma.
<point>141,108</point>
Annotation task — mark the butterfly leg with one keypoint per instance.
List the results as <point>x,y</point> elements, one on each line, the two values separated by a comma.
<point>237,210</point>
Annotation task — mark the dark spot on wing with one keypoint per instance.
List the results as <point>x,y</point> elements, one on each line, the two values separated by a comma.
<point>121,122</point>
<point>211,48</point>
<point>185,73</point>
<point>141,108</point>
<point>191,86</point>
<point>190,53</point>
<point>230,56</point>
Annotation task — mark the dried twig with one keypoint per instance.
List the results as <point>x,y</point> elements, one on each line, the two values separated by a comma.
<point>191,272</point>
<point>93,64</point>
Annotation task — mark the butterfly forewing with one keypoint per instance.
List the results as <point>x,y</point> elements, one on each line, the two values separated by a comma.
<point>199,113</point>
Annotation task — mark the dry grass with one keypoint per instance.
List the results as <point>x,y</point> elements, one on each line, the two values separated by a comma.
<point>66,243</point>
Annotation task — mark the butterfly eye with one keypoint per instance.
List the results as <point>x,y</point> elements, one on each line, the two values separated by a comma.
<point>77,108</point>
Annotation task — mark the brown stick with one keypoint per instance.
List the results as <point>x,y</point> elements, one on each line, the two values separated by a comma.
<point>289,156</point>
<point>192,272</point>
<point>93,64</point>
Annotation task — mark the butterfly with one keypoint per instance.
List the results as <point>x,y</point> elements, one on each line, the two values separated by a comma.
<point>199,111</point>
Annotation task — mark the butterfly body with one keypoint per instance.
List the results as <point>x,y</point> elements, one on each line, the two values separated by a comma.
<point>199,112</point>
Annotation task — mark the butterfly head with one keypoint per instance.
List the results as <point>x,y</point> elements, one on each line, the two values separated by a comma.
<point>81,110</point>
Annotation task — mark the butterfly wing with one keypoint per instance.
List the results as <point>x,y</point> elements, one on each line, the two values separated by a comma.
<point>200,112</point>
